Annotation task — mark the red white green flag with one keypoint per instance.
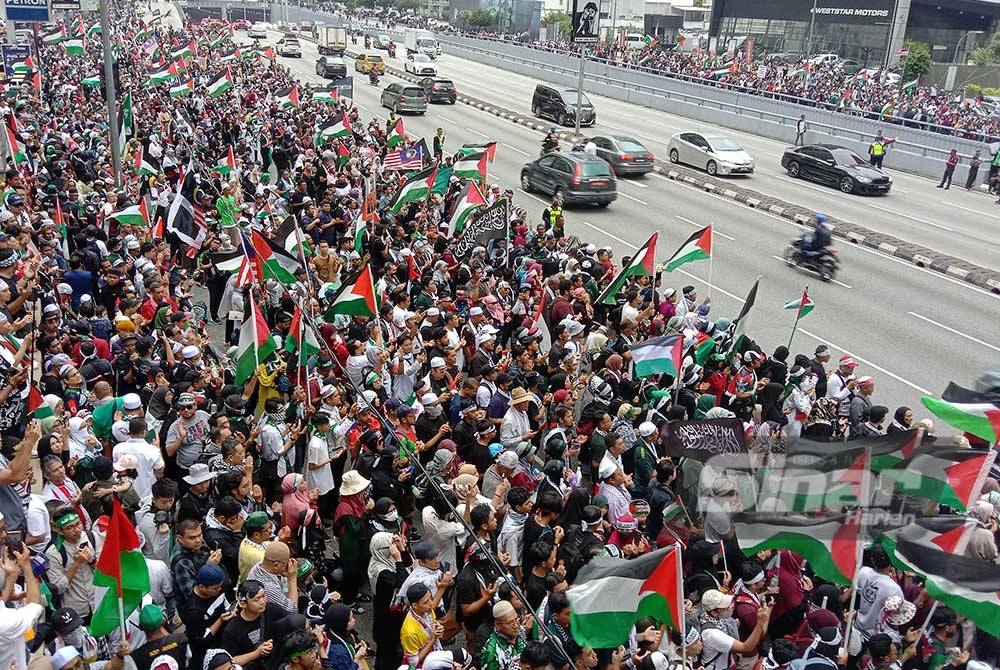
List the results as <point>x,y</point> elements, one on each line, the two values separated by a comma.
<point>698,247</point>
<point>355,298</point>
<point>396,135</point>
<point>974,413</point>
<point>640,265</point>
<point>301,337</point>
<point>804,305</point>
<point>120,572</point>
<point>255,344</point>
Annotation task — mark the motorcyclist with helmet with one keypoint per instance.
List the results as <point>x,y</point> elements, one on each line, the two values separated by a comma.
<point>813,242</point>
<point>551,141</point>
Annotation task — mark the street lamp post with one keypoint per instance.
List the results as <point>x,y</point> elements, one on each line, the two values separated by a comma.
<point>958,44</point>
<point>809,40</point>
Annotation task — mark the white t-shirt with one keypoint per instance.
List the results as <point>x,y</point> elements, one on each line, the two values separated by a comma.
<point>321,478</point>
<point>716,646</point>
<point>874,589</point>
<point>37,519</point>
<point>149,459</point>
<point>14,623</point>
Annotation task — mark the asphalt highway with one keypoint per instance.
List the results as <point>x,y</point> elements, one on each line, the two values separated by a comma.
<point>955,222</point>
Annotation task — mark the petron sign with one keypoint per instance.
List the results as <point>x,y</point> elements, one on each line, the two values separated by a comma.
<point>827,11</point>
<point>27,10</point>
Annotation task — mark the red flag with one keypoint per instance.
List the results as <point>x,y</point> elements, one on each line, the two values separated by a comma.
<point>121,537</point>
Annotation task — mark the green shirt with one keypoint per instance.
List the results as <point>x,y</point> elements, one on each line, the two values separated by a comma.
<point>225,207</point>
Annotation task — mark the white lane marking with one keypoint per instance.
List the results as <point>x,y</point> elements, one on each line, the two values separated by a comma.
<point>524,153</point>
<point>445,118</point>
<point>660,176</point>
<point>866,362</point>
<point>915,218</point>
<point>715,231</point>
<point>838,283</point>
<point>632,182</point>
<point>811,187</point>
<point>859,247</point>
<point>953,331</point>
<point>977,212</point>
<point>472,130</point>
<point>662,125</point>
<point>626,195</point>
<point>531,195</point>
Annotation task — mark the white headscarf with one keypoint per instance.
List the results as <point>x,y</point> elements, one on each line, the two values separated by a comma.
<point>381,558</point>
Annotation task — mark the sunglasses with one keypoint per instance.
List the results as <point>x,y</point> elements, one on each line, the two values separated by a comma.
<point>186,406</point>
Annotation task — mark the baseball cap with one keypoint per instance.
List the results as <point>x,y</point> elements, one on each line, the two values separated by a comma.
<point>150,617</point>
<point>847,361</point>
<point>714,600</point>
<point>210,575</point>
<point>424,550</point>
<point>66,620</point>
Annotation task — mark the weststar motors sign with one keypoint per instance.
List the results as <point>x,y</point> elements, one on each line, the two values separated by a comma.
<point>827,11</point>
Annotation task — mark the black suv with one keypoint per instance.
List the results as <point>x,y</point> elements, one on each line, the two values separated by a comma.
<point>574,176</point>
<point>331,67</point>
<point>559,104</point>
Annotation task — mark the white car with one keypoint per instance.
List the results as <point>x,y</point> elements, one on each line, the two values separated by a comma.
<point>289,46</point>
<point>420,64</point>
<point>824,59</point>
<point>712,153</point>
<point>257,30</point>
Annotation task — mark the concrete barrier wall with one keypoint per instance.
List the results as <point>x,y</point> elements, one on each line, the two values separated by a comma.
<point>916,151</point>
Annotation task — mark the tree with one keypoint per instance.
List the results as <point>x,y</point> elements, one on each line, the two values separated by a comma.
<point>404,5</point>
<point>917,62</point>
<point>989,54</point>
<point>480,18</point>
<point>561,19</point>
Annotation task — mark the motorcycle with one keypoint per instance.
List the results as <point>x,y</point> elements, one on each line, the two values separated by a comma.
<point>549,146</point>
<point>824,264</point>
<point>373,78</point>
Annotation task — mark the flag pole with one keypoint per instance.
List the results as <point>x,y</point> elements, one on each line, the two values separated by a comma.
<point>798,315</point>
<point>711,258</point>
<point>865,500</point>
<point>680,596</point>
<point>121,614</point>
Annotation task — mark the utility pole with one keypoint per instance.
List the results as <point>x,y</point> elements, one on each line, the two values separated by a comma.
<point>809,41</point>
<point>109,93</point>
<point>579,89</point>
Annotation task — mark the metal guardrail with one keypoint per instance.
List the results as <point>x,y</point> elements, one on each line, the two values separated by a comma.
<point>740,110</point>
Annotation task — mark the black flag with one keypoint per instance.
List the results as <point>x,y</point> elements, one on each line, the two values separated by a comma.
<point>490,225</point>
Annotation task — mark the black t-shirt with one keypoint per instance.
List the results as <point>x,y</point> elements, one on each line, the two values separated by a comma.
<point>242,637</point>
<point>534,590</point>
<point>151,655</point>
<point>198,616</point>
<point>534,532</point>
<point>468,589</point>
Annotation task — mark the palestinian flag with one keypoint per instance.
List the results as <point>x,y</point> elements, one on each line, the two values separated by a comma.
<point>24,67</point>
<point>827,484</point>
<point>186,51</point>
<point>231,56</point>
<point>538,327</point>
<point>288,99</point>
<point>336,131</point>
<point>969,586</point>
<point>74,46</point>
<point>182,89</point>
<point>910,87</point>
<point>94,81</point>
<point>472,166</point>
<point>396,135</point>
<point>698,247</point>
<point>37,407</point>
<point>887,109</point>
<point>610,595</point>
<point>658,355</point>
<point>801,72</point>
<point>356,297</point>
<point>301,337</point>
<point>120,572</point>
<point>343,155</point>
<point>971,412</point>
<point>470,200</point>
<point>256,343</point>
<point>220,84</point>
<point>640,265</point>
<point>831,544</point>
<point>226,164</point>
<point>721,72</point>
<point>160,77</point>
<point>940,532</point>
<point>804,305</point>
<point>326,95</point>
<point>94,31</point>
<point>277,263</point>
<point>950,475</point>
<point>136,215</point>
<point>16,148</point>
<point>54,37</point>
<point>490,148</point>
<point>741,320</point>
<point>142,35</point>
<point>145,164</point>
<point>417,187</point>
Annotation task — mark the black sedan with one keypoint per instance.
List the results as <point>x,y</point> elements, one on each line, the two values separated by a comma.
<point>331,67</point>
<point>439,90</point>
<point>835,166</point>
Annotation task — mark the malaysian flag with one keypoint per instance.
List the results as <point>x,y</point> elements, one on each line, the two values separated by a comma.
<point>404,159</point>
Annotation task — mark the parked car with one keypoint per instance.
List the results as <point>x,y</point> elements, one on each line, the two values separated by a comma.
<point>241,24</point>
<point>559,104</point>
<point>573,176</point>
<point>257,30</point>
<point>626,155</point>
<point>404,98</point>
<point>331,67</point>
<point>836,166</point>
<point>439,90</point>
<point>712,153</point>
<point>417,63</point>
<point>824,59</point>
<point>365,63</point>
<point>849,66</point>
<point>289,46</point>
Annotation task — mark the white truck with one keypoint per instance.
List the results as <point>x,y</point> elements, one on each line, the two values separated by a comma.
<point>421,41</point>
<point>332,40</point>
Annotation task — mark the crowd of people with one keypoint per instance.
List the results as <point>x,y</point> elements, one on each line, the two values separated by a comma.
<point>440,457</point>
